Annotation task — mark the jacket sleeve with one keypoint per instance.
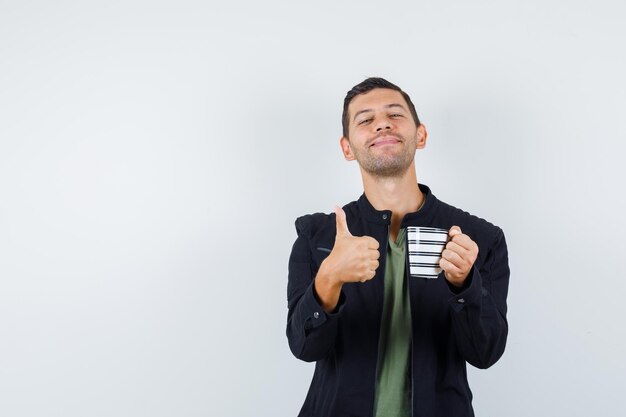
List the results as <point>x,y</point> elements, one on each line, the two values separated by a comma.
<point>479,311</point>
<point>311,331</point>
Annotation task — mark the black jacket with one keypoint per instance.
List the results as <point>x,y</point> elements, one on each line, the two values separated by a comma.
<point>450,326</point>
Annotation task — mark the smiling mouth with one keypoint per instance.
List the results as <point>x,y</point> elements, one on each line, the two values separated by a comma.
<point>386,140</point>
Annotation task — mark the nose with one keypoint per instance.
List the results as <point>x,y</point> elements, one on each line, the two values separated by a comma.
<point>383,124</point>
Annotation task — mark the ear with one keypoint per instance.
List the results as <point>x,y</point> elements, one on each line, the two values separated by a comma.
<point>344,142</point>
<point>422,134</point>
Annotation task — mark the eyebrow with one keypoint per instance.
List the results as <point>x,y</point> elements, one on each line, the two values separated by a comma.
<point>388,106</point>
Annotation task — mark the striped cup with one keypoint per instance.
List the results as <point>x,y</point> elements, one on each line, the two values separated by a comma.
<point>425,247</point>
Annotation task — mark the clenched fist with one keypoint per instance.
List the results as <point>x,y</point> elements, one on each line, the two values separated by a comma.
<point>353,259</point>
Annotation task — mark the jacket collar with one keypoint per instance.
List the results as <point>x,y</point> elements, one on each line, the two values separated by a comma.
<point>384,216</point>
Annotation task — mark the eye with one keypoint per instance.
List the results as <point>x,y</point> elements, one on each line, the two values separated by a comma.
<point>364,121</point>
<point>396,115</point>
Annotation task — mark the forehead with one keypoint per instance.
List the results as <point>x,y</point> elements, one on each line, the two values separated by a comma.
<point>376,99</point>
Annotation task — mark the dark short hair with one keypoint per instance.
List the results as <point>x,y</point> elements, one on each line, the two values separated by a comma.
<point>367,86</point>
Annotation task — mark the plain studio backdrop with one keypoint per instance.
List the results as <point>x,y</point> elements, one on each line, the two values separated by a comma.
<point>154,157</point>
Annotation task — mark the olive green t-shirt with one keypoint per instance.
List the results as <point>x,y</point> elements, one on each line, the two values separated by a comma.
<point>393,386</point>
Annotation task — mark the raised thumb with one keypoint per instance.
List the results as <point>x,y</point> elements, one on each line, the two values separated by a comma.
<point>342,224</point>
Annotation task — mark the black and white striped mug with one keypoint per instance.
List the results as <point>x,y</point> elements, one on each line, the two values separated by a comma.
<point>425,247</point>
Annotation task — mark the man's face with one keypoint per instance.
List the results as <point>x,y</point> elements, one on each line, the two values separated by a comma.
<point>383,136</point>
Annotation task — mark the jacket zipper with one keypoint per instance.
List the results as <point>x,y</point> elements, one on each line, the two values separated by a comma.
<point>383,257</point>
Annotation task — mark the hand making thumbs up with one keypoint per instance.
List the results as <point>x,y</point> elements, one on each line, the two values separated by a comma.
<point>353,259</point>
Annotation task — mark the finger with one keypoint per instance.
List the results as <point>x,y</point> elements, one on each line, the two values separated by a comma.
<point>456,247</point>
<point>453,257</point>
<point>464,241</point>
<point>342,224</point>
<point>454,230</point>
<point>372,243</point>
<point>449,267</point>
<point>373,265</point>
<point>369,274</point>
<point>374,253</point>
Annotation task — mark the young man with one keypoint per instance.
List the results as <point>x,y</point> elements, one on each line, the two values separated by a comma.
<point>386,343</point>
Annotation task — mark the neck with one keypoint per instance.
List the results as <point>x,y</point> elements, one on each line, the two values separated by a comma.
<point>400,194</point>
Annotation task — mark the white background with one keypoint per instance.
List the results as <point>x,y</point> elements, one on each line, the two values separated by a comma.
<point>155,154</point>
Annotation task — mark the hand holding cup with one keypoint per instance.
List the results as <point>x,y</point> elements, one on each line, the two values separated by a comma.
<point>458,257</point>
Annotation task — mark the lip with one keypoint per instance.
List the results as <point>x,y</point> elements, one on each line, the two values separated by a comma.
<point>385,140</point>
